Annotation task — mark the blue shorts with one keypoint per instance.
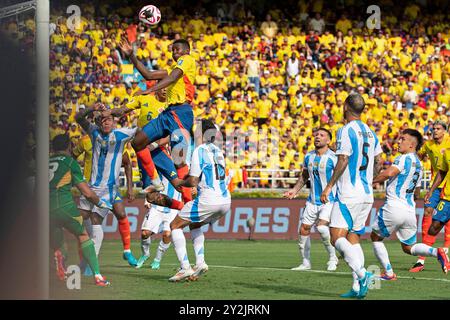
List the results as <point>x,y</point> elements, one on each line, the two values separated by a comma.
<point>171,122</point>
<point>442,212</point>
<point>164,165</point>
<point>434,199</point>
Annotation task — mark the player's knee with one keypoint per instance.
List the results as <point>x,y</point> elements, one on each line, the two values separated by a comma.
<point>428,211</point>
<point>145,234</point>
<point>305,229</point>
<point>166,236</point>
<point>406,249</point>
<point>375,237</point>
<point>140,141</point>
<point>83,237</point>
<point>432,231</point>
<point>120,215</point>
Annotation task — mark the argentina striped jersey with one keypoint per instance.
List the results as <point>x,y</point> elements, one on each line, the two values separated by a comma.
<point>361,145</point>
<point>107,153</point>
<point>400,189</point>
<point>320,170</point>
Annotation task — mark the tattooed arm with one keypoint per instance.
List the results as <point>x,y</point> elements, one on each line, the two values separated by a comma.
<point>291,194</point>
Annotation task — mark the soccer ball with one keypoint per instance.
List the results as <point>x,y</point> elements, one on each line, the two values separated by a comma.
<point>150,15</point>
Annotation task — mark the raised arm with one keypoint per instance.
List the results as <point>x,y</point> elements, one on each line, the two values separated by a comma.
<point>127,50</point>
<point>341,165</point>
<point>80,117</point>
<point>291,194</point>
<point>164,83</point>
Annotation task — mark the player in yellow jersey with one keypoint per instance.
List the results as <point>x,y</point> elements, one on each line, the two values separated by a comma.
<point>150,107</point>
<point>177,120</point>
<point>441,217</point>
<point>434,149</point>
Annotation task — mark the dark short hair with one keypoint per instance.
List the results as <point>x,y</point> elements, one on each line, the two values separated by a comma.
<point>184,43</point>
<point>356,103</point>
<point>330,135</point>
<point>416,134</point>
<point>441,123</point>
<point>60,142</point>
<point>210,127</point>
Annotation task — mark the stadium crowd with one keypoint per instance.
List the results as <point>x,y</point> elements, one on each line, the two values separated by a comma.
<point>267,83</point>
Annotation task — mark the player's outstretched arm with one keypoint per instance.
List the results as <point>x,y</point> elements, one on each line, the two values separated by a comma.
<point>80,117</point>
<point>127,50</point>
<point>390,172</point>
<point>91,196</point>
<point>341,165</point>
<point>292,193</point>
<point>176,74</point>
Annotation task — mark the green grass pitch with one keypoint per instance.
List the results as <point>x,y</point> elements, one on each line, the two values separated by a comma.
<point>240,269</point>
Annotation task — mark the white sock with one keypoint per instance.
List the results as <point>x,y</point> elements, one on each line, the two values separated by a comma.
<point>304,247</point>
<point>421,249</point>
<point>355,285</point>
<point>162,248</point>
<point>97,237</point>
<point>325,235</point>
<point>382,255</point>
<point>88,226</point>
<point>179,242</point>
<point>357,247</point>
<point>145,246</point>
<point>198,240</point>
<point>351,256</point>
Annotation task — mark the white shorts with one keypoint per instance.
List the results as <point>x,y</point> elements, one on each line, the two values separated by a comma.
<point>196,211</point>
<point>314,212</point>
<point>397,218</point>
<point>154,218</point>
<point>111,195</point>
<point>350,216</point>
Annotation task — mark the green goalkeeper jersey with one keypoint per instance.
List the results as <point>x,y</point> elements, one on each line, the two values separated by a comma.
<point>64,172</point>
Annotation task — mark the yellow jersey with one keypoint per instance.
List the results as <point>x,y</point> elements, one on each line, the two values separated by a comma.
<point>84,145</point>
<point>149,106</point>
<point>443,165</point>
<point>435,152</point>
<point>182,91</point>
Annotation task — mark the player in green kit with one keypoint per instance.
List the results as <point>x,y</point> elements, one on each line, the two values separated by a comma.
<point>65,172</point>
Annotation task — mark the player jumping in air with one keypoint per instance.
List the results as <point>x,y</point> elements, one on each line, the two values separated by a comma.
<point>150,106</point>
<point>64,173</point>
<point>177,120</point>
<point>107,146</point>
<point>434,149</point>
<point>358,152</point>
<point>398,214</point>
<point>318,168</point>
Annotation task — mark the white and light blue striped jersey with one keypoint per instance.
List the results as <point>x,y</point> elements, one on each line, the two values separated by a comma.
<point>401,188</point>
<point>361,145</point>
<point>320,170</point>
<point>171,192</point>
<point>107,151</point>
<point>208,163</point>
